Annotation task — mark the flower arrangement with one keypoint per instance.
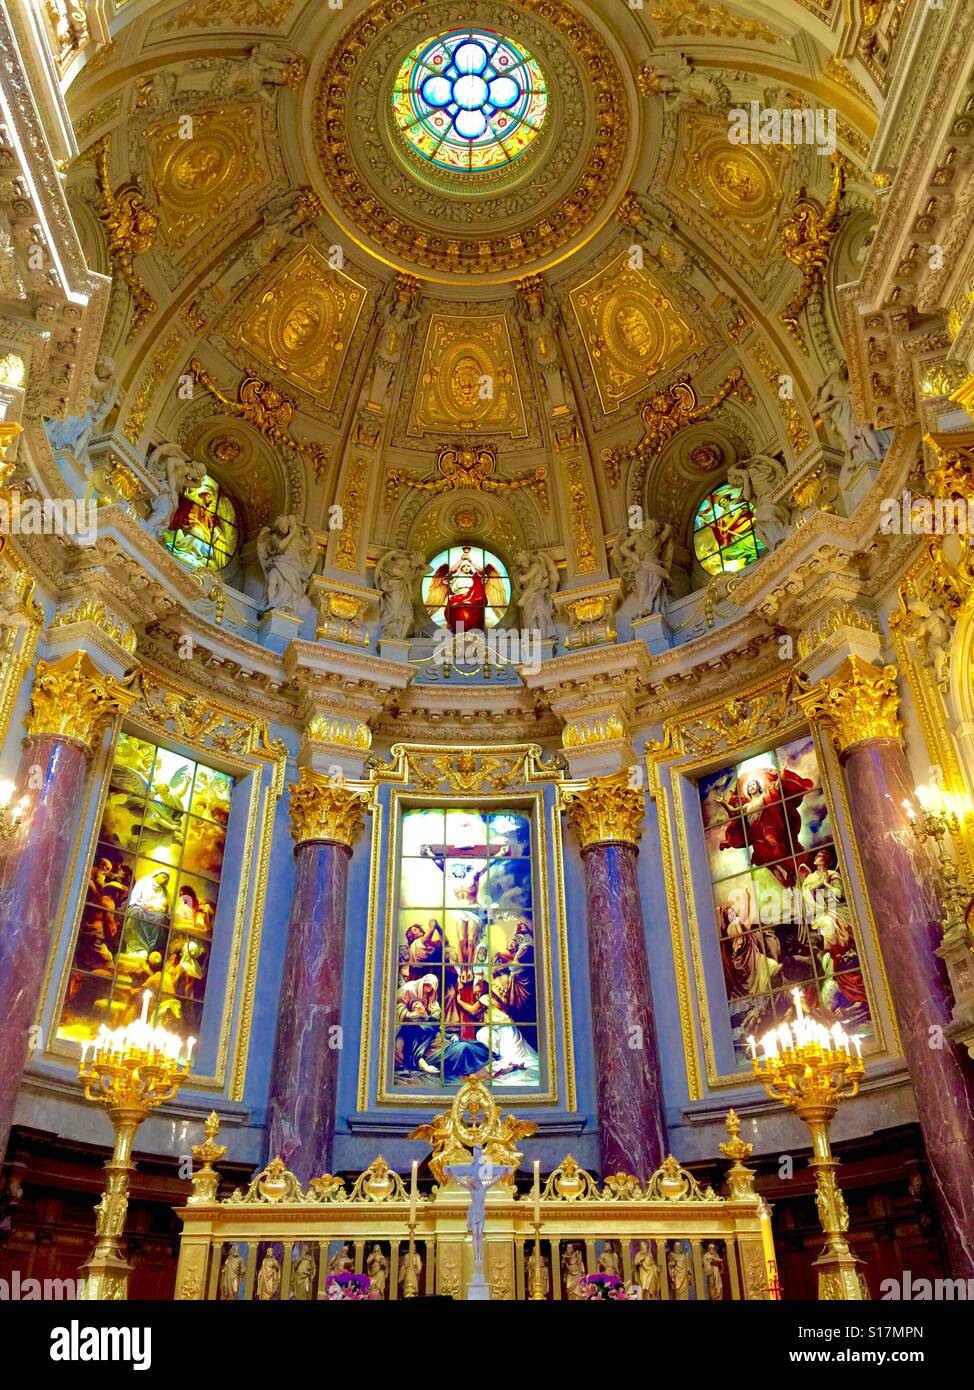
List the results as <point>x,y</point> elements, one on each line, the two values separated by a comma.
<point>605,1286</point>
<point>352,1288</point>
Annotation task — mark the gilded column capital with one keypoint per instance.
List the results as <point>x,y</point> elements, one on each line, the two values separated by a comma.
<point>608,809</point>
<point>72,699</point>
<point>322,809</point>
<point>859,702</point>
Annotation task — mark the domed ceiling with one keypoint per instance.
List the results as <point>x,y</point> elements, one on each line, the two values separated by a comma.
<point>347,239</point>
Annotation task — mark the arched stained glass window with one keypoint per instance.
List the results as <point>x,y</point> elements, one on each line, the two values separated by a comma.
<point>203,531</point>
<point>468,589</point>
<point>724,538</point>
<point>469,100</point>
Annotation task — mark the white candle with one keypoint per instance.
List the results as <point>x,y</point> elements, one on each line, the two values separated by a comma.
<point>753,1046</point>
<point>145,1007</point>
<point>190,1044</point>
<point>537,1192</point>
<point>855,1044</point>
<point>412,1192</point>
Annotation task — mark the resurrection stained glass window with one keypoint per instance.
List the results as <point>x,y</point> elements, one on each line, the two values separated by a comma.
<point>468,589</point>
<point>781,910</point>
<point>469,100</point>
<point>724,538</point>
<point>203,530</point>
<point>147,923</point>
<point>466,1000</point>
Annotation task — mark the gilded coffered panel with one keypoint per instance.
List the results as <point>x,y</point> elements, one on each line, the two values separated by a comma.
<point>467,379</point>
<point>737,186</point>
<point>303,322</point>
<point>630,328</point>
<point>198,177</point>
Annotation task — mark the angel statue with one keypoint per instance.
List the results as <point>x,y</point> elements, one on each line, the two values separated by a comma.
<point>538,322</point>
<point>644,559</point>
<point>935,633</point>
<point>833,402</point>
<point>288,552</point>
<point>398,316</point>
<point>535,580</point>
<point>75,433</point>
<point>464,591</point>
<point>175,472</point>
<point>395,574</point>
<point>758,477</point>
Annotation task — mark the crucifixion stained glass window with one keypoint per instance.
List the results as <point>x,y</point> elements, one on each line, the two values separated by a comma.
<point>466,992</point>
<point>469,100</point>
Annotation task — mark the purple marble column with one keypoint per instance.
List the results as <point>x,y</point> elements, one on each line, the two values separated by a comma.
<point>632,1133</point>
<point>33,868</point>
<point>904,902</point>
<point>305,1083</point>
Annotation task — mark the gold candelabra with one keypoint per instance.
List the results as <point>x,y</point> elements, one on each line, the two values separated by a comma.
<point>941,816</point>
<point>810,1069</point>
<point>11,818</point>
<point>129,1071</point>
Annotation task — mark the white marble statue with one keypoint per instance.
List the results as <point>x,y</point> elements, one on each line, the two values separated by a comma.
<point>535,578</point>
<point>934,632</point>
<point>75,433</point>
<point>657,238</point>
<point>477,1177</point>
<point>644,559</point>
<point>288,552</point>
<point>673,77</point>
<point>11,613</point>
<point>397,317</point>
<point>174,471</point>
<point>395,574</point>
<point>539,330</point>
<point>833,401</point>
<point>265,68</point>
<point>758,477</point>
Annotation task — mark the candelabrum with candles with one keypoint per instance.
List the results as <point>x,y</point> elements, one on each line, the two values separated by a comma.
<point>941,816</point>
<point>129,1071</point>
<point>11,817</point>
<point>811,1068</point>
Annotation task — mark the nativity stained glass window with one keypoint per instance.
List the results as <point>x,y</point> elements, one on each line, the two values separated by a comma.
<point>780,906</point>
<point>147,922</point>
<point>203,530</point>
<point>467,987</point>
<point>468,589</point>
<point>469,100</point>
<point>724,538</point>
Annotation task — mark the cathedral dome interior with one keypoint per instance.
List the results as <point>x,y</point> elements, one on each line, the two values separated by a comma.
<point>486,581</point>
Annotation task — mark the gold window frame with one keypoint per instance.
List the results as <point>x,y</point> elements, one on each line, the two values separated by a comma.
<point>223,737</point>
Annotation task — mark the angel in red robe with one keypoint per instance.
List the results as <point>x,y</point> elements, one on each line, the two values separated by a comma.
<point>465,591</point>
<point>767,819</point>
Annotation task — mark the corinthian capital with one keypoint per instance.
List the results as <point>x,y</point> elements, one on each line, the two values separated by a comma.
<point>859,702</point>
<point>326,810</point>
<point>608,810</point>
<point>72,699</point>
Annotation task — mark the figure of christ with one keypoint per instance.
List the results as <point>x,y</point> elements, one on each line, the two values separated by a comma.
<point>767,819</point>
<point>477,1176</point>
<point>468,887</point>
<point>465,591</point>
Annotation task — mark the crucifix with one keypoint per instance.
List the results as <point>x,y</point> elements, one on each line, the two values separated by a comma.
<point>477,1176</point>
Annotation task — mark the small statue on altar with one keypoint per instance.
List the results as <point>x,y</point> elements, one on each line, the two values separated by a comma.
<point>538,1271</point>
<point>477,1177</point>
<point>231,1272</point>
<point>610,1261</point>
<point>646,1270</point>
<point>377,1268</point>
<point>678,1268</point>
<point>410,1270</point>
<point>269,1278</point>
<point>303,1277</point>
<point>572,1270</point>
<point>713,1268</point>
<point>342,1262</point>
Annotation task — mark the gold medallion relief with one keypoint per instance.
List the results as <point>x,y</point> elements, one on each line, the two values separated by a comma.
<point>467,378</point>
<point>198,178</point>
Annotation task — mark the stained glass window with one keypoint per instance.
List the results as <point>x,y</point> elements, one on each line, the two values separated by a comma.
<point>781,910</point>
<point>468,588</point>
<point>469,100</point>
<point>203,530</point>
<point>466,1000</point>
<point>147,923</point>
<point>724,538</point>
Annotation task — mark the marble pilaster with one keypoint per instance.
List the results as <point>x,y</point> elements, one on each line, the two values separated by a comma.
<point>632,1136</point>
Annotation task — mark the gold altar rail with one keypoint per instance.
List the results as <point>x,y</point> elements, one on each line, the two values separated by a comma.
<point>670,1238</point>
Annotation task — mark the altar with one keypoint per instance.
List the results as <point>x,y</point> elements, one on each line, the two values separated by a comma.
<point>667,1239</point>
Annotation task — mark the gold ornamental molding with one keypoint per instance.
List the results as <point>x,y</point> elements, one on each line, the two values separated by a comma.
<point>469,771</point>
<point>467,378</point>
<point>806,238</point>
<point>131,227</point>
<point>671,410</point>
<point>303,322</point>
<point>72,699</point>
<point>325,810</point>
<point>466,465</point>
<point>197,180</point>
<point>269,410</point>
<point>609,810</point>
<point>859,702</point>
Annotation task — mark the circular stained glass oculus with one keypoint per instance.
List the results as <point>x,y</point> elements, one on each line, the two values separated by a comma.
<point>724,538</point>
<point>469,100</point>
